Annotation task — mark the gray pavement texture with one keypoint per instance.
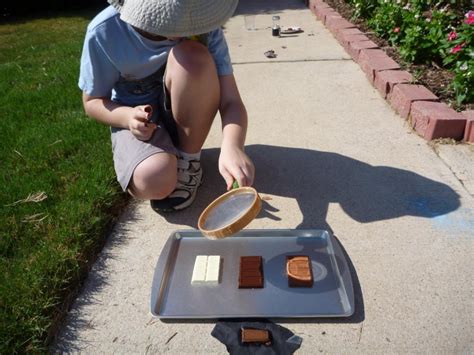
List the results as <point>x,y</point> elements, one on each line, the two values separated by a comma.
<point>331,154</point>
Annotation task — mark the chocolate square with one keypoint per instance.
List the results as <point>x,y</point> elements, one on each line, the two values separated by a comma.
<point>250,272</point>
<point>251,282</point>
<point>259,336</point>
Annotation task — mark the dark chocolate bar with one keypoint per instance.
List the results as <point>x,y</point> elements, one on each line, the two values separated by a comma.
<point>260,336</point>
<point>250,272</point>
<point>251,282</point>
<point>299,271</point>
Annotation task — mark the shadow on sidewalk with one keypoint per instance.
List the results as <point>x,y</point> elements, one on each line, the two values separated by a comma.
<point>316,179</point>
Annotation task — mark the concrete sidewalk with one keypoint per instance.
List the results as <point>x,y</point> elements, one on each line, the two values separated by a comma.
<point>331,154</point>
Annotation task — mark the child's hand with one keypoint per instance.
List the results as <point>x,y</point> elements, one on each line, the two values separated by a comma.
<point>139,124</point>
<point>235,165</point>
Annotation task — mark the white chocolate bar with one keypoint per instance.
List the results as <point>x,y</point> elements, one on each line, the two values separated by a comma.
<point>199,271</point>
<point>213,266</point>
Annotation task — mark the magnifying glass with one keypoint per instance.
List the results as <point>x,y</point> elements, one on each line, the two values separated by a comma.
<point>230,212</point>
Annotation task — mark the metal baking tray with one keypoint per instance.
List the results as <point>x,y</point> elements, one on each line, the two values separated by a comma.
<point>173,296</point>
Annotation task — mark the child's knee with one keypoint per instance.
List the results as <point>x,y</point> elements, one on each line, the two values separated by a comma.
<point>151,189</point>
<point>153,180</point>
<point>191,56</point>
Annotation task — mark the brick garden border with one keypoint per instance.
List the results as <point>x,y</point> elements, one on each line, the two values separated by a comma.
<point>430,118</point>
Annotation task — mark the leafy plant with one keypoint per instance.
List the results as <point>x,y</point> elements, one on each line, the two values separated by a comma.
<point>387,21</point>
<point>364,8</point>
<point>457,48</point>
<point>426,32</point>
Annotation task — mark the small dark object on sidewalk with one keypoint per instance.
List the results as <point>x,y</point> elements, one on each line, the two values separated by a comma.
<point>270,54</point>
<point>283,340</point>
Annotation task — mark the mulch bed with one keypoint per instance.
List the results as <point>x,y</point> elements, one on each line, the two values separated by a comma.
<point>432,76</point>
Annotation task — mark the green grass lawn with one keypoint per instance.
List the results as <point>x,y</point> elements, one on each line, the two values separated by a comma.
<point>58,192</point>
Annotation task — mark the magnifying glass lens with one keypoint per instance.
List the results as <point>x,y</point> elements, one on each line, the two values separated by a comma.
<point>229,213</point>
<point>229,210</point>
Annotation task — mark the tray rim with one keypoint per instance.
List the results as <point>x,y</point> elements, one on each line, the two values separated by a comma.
<point>162,263</point>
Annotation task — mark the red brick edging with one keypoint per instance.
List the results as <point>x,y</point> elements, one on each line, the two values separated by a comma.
<point>430,118</point>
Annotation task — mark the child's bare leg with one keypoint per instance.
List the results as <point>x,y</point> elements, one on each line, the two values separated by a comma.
<point>191,79</point>
<point>155,177</point>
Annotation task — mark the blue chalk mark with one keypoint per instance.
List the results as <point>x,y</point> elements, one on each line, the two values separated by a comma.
<point>460,221</point>
<point>443,214</point>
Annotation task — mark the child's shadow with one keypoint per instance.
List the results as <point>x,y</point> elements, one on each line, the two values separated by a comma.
<point>315,179</point>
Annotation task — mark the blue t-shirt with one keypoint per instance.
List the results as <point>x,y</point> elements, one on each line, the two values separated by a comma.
<point>119,63</point>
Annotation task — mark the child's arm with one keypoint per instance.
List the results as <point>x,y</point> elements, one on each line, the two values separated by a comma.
<point>112,114</point>
<point>234,164</point>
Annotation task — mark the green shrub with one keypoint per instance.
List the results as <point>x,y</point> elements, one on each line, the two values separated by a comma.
<point>420,30</point>
<point>364,8</point>
<point>458,52</point>
<point>422,35</point>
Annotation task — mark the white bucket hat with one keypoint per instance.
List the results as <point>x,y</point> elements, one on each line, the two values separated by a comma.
<point>175,18</point>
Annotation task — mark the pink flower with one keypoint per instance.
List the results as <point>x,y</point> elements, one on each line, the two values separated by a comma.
<point>470,17</point>
<point>396,30</point>
<point>452,36</point>
<point>456,49</point>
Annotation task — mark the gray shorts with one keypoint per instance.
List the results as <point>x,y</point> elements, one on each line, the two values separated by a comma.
<point>129,151</point>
